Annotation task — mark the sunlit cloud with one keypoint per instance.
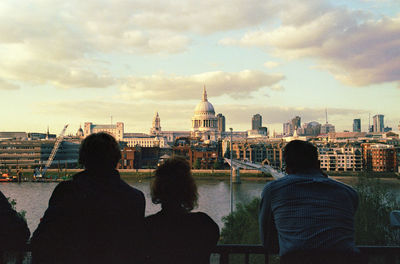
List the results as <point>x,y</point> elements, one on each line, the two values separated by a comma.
<point>271,64</point>
<point>172,87</point>
<point>4,85</point>
<point>355,48</point>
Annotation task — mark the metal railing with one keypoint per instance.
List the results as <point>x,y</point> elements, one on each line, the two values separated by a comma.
<point>386,254</point>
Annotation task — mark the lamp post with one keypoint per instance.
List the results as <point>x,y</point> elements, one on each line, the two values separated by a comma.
<point>231,178</point>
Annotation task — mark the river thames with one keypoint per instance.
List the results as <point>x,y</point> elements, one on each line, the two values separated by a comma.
<point>214,196</point>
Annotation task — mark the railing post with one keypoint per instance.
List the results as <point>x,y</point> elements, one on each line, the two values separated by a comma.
<point>224,258</point>
<point>266,258</point>
<point>246,258</point>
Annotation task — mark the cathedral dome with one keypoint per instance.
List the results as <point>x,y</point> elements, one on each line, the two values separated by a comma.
<point>204,107</point>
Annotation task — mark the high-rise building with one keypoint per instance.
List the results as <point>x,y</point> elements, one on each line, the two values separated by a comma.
<point>221,122</point>
<point>296,122</point>
<point>256,122</point>
<point>357,125</point>
<point>287,129</point>
<point>326,128</point>
<point>378,123</point>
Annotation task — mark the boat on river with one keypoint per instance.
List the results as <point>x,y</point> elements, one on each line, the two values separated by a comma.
<point>5,177</point>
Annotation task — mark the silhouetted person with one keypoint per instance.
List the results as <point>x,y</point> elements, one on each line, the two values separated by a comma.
<point>14,231</point>
<point>306,216</point>
<point>175,235</point>
<point>94,218</point>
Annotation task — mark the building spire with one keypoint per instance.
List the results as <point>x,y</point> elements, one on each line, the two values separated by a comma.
<point>204,94</point>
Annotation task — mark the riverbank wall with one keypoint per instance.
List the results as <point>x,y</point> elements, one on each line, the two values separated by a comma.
<point>55,174</point>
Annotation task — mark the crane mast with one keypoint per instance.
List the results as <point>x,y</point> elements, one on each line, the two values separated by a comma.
<point>54,150</point>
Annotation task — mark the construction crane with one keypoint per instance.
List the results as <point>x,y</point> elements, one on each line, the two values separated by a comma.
<point>53,153</point>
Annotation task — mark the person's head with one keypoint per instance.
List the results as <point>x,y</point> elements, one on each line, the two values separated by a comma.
<point>174,184</point>
<point>99,152</point>
<point>300,156</point>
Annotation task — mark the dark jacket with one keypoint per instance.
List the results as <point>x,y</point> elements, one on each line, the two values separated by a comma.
<point>176,236</point>
<point>14,231</point>
<point>91,219</point>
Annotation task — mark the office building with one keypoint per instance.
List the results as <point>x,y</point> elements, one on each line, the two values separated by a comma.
<point>256,122</point>
<point>116,130</point>
<point>221,122</point>
<point>296,122</point>
<point>378,123</point>
<point>327,128</point>
<point>287,129</point>
<point>357,125</point>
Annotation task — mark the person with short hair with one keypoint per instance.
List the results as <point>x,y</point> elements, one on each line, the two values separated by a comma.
<point>96,217</point>
<point>174,234</point>
<point>306,216</point>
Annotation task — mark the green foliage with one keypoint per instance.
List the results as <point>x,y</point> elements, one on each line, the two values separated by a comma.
<point>372,223</point>
<point>241,226</point>
<point>13,203</point>
<point>216,165</point>
<point>197,164</point>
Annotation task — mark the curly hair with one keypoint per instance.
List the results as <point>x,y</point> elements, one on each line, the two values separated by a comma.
<point>174,184</point>
<point>99,151</point>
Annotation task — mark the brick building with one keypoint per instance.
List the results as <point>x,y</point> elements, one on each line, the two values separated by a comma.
<point>379,157</point>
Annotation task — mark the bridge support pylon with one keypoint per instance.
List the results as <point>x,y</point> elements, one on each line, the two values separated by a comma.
<point>236,175</point>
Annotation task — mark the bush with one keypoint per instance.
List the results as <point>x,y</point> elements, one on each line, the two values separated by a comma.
<point>241,226</point>
<point>372,224</point>
<point>13,203</point>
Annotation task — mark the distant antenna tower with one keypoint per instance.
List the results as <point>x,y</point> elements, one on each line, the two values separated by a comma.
<point>111,120</point>
<point>326,115</point>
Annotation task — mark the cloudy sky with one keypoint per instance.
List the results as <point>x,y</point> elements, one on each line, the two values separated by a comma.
<point>77,61</point>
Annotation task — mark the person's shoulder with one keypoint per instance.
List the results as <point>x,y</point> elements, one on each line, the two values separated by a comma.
<point>130,189</point>
<point>202,218</point>
<point>342,185</point>
<point>277,183</point>
<point>153,219</point>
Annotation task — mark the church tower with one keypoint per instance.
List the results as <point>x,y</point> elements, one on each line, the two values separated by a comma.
<point>156,128</point>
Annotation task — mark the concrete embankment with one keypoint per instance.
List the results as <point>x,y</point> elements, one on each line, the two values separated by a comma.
<point>253,175</point>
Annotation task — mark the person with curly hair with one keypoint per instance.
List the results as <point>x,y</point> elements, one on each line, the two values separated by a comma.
<point>175,234</point>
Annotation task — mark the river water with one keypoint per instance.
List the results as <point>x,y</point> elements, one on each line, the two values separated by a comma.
<point>214,196</point>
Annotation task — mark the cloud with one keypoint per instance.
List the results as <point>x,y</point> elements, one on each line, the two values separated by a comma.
<point>4,85</point>
<point>271,64</point>
<point>173,87</point>
<point>42,72</point>
<point>356,48</point>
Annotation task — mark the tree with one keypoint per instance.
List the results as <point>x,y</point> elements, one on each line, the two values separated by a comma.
<point>197,164</point>
<point>216,165</point>
<point>372,225</point>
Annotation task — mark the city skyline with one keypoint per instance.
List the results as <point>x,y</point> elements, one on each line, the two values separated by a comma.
<point>83,61</point>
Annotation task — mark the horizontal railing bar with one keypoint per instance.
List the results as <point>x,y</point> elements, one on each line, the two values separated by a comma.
<point>259,249</point>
